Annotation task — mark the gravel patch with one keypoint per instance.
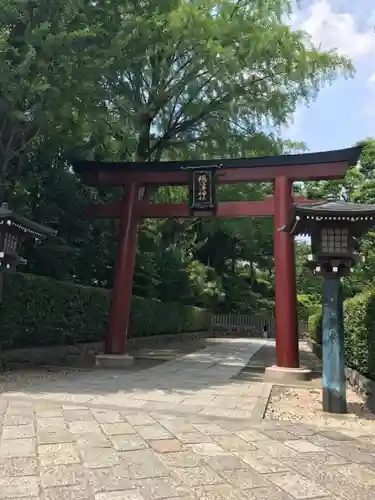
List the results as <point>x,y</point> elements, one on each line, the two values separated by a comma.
<point>304,404</point>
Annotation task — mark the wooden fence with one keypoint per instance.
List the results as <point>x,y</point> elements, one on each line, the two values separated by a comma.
<point>249,325</point>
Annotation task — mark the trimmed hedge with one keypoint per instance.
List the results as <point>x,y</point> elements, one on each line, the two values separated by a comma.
<point>39,311</point>
<point>359,325</point>
<point>359,317</point>
<point>315,327</point>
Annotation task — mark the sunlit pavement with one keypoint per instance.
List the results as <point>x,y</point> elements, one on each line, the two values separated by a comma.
<point>183,429</point>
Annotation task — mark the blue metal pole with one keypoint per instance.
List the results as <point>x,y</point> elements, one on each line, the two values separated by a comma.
<point>334,388</point>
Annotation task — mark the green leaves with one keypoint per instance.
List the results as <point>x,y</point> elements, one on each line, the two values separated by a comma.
<point>39,312</point>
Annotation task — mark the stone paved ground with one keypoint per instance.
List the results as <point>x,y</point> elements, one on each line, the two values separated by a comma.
<point>178,431</point>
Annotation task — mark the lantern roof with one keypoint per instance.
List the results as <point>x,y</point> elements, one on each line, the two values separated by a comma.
<point>11,218</point>
<point>304,218</point>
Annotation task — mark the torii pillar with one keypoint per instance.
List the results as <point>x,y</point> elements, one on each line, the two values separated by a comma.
<point>285,279</point>
<point>287,368</point>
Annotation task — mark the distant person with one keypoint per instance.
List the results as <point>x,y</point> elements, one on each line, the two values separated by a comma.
<point>265,331</point>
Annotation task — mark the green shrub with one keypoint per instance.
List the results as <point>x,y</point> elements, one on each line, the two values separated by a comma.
<point>40,311</point>
<point>307,305</point>
<point>359,320</point>
<point>315,327</point>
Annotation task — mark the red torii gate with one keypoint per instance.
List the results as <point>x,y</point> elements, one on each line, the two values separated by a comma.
<point>281,170</point>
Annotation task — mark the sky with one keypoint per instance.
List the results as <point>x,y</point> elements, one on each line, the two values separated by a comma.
<point>344,112</point>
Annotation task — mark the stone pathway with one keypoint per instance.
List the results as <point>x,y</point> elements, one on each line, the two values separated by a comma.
<point>198,383</point>
<point>128,439</point>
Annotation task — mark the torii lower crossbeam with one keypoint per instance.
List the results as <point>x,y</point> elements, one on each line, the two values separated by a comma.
<point>277,206</point>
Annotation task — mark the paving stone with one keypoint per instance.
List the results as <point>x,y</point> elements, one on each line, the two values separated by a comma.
<point>207,449</point>
<point>18,467</point>
<point>13,487</point>
<point>62,475</point>
<point>163,487</point>
<point>192,437</point>
<point>196,476</point>
<point>363,475</point>
<point>16,408</point>
<point>251,435</point>
<point>18,431</point>
<point>302,446</point>
<point>109,479</point>
<point>300,430</point>
<point>83,426</point>
<point>45,437</point>
<point>153,431</point>
<point>262,462</point>
<point>165,445</point>
<point>76,415</point>
<point>279,434</point>
<point>128,442</point>
<point>318,473</point>
<point>335,435</point>
<point>118,428</point>
<point>232,442</point>
<point>275,449</point>
<point>298,486</point>
<point>50,424</point>
<point>16,448</point>
<point>268,494</point>
<point>92,440</point>
<point>245,478</point>
<point>99,457</point>
<point>223,462</point>
<point>140,419</point>
<point>182,459</point>
<point>108,416</point>
<point>144,464</point>
<point>18,419</point>
<point>351,454</point>
<point>149,469</point>
<point>217,492</point>
<point>58,454</point>
<point>211,429</point>
<point>359,445</point>
<point>76,492</point>
<point>120,495</point>
<point>349,490</point>
<point>318,458</point>
<point>178,426</point>
<point>227,413</point>
<point>49,412</point>
<point>321,441</point>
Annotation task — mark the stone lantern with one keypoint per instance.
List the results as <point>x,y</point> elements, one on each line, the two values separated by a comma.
<point>14,229</point>
<point>334,228</point>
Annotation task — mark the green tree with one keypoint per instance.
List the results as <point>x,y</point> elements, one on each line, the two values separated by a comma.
<point>52,56</point>
<point>203,73</point>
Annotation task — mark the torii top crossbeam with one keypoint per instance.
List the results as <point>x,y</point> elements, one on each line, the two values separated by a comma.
<point>308,166</point>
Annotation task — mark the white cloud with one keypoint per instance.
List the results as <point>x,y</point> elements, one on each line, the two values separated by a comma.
<point>335,30</point>
<point>370,106</point>
<point>371,81</point>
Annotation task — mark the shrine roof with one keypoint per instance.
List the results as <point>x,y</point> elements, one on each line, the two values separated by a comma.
<point>304,218</point>
<point>332,208</point>
<point>22,223</point>
<point>349,155</point>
